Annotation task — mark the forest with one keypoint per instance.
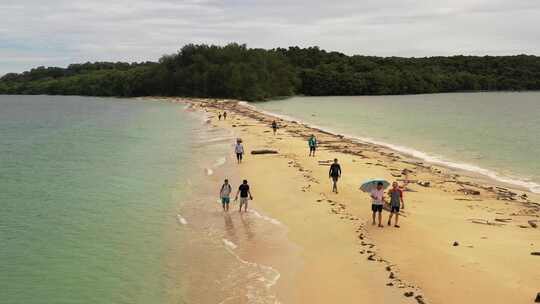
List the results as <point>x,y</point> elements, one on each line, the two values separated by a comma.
<point>252,74</point>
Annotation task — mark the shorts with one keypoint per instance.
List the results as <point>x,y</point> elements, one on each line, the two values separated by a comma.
<point>225,200</point>
<point>243,200</point>
<point>312,149</point>
<point>395,209</point>
<point>335,178</point>
<point>239,156</point>
<point>376,208</point>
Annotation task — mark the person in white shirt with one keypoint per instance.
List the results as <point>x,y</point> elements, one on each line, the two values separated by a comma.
<point>377,195</point>
<point>239,149</point>
<point>225,194</point>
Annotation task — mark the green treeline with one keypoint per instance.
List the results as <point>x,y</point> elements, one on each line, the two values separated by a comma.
<point>235,71</point>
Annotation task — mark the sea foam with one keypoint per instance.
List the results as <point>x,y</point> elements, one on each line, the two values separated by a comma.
<point>181,220</point>
<point>264,217</point>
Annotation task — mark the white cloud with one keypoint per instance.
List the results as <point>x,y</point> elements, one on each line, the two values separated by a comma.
<point>59,32</point>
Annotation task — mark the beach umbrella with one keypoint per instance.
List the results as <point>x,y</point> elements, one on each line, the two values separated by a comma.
<point>371,184</point>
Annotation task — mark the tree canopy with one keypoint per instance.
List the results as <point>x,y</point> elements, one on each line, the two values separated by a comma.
<point>235,71</point>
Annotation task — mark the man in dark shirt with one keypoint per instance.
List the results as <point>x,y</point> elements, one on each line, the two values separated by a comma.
<point>245,193</point>
<point>335,174</point>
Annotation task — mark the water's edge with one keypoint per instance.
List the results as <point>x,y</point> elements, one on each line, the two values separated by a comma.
<point>498,178</point>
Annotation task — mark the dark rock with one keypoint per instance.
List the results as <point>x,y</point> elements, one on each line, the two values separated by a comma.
<point>533,224</point>
<point>469,191</point>
<point>424,184</point>
<point>535,253</point>
<point>420,299</point>
<point>455,244</point>
<point>537,300</point>
<point>371,257</point>
<point>391,276</point>
<point>409,294</point>
<point>264,151</point>
<point>390,284</point>
<point>406,171</point>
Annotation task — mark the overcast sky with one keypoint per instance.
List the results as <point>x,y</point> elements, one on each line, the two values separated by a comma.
<point>59,32</point>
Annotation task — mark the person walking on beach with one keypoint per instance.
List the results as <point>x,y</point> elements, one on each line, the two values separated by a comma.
<point>377,196</point>
<point>312,142</point>
<point>224,194</point>
<point>335,173</point>
<point>396,201</point>
<point>239,150</point>
<point>219,116</point>
<point>224,115</point>
<point>274,126</point>
<point>245,195</point>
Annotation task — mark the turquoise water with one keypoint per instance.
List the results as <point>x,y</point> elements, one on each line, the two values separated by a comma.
<point>494,134</point>
<point>109,200</point>
<point>88,189</point>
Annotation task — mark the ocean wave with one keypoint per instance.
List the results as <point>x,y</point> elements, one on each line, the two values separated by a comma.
<point>181,220</point>
<point>265,274</point>
<point>214,140</point>
<point>229,244</point>
<point>220,162</point>
<point>433,159</point>
<point>264,217</point>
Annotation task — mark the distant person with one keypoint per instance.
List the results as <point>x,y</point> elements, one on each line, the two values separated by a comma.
<point>377,196</point>
<point>239,150</point>
<point>335,173</point>
<point>245,195</point>
<point>312,143</point>
<point>224,194</point>
<point>225,115</point>
<point>219,116</point>
<point>396,201</point>
<point>274,126</point>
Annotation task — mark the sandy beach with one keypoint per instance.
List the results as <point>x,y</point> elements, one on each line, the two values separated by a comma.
<point>463,239</point>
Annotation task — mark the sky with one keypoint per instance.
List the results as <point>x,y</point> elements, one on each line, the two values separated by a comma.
<point>59,32</point>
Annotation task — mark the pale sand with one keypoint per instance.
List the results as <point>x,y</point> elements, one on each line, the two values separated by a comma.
<point>492,264</point>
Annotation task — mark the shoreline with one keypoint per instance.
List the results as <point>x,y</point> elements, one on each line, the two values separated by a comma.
<point>217,250</point>
<point>487,220</point>
<point>489,176</point>
<point>486,178</point>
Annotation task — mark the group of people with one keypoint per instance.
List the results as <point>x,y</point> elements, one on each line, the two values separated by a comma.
<point>378,200</point>
<point>377,194</point>
<point>224,115</point>
<point>243,190</point>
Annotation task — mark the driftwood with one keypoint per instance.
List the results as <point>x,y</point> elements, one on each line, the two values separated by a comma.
<point>484,222</point>
<point>264,151</point>
<point>469,191</point>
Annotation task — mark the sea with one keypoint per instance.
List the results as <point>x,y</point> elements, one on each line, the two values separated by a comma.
<point>490,134</point>
<point>106,200</point>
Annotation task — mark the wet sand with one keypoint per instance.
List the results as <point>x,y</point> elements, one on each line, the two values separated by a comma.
<point>462,239</point>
